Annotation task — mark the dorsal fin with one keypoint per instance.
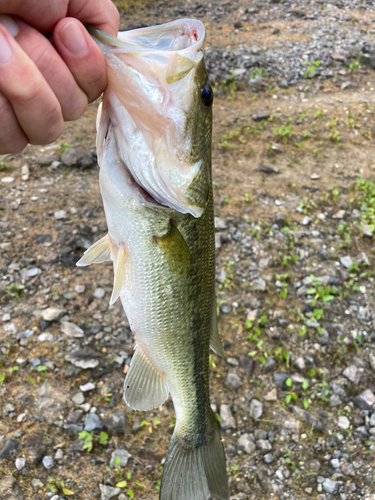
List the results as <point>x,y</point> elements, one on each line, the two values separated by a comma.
<point>175,251</point>
<point>99,252</point>
<point>119,270</point>
<point>215,342</point>
<point>145,387</point>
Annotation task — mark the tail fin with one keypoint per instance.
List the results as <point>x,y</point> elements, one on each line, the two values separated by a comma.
<point>195,473</point>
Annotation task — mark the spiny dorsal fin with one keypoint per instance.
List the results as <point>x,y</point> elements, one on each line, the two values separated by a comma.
<point>215,342</point>
<point>119,269</point>
<point>145,387</point>
<point>99,252</point>
<point>175,251</point>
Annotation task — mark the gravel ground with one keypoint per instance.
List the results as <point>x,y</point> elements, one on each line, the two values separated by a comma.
<point>294,204</point>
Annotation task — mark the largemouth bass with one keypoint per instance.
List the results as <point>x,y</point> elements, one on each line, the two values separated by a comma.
<point>154,151</point>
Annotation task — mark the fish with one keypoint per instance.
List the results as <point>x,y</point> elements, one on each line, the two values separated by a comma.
<point>154,132</point>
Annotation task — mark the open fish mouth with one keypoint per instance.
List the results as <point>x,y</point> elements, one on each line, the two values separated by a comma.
<point>151,101</point>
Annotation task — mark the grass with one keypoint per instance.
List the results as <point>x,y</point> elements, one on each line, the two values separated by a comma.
<point>129,5</point>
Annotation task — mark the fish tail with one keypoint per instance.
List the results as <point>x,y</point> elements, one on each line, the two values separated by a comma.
<point>195,472</point>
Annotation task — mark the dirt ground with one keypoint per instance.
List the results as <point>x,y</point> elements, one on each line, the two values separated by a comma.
<point>289,209</point>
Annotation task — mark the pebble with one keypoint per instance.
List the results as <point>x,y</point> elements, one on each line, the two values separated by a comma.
<point>78,399</point>
<point>246,444</point>
<point>48,462</point>
<point>71,330</point>
<point>83,358</point>
<point>264,445</point>
<point>352,374</point>
<point>346,261</point>
<point>121,454</point>
<point>233,380</point>
<point>46,337</point>
<point>20,463</point>
<point>60,215</point>
<point>7,180</point>
<point>93,423</point>
<point>330,486</point>
<point>227,420</point>
<point>365,400</point>
<point>27,274</point>
<point>256,409</point>
<point>51,313</point>
<point>343,422</point>
<point>10,448</point>
<point>79,288</point>
<point>99,293</point>
<point>59,455</point>
<point>108,492</point>
<point>74,157</point>
<point>115,424</point>
<point>87,387</point>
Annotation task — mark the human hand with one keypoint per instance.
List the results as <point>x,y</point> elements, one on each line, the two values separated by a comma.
<point>42,85</point>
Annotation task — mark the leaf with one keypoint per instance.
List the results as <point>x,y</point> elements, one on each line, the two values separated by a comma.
<point>117,460</point>
<point>157,421</point>
<point>130,493</point>
<point>305,384</point>
<point>121,484</point>
<point>252,353</point>
<point>288,398</point>
<point>306,404</point>
<point>103,438</point>
<point>41,368</point>
<point>67,492</point>
<point>288,382</point>
<point>2,378</point>
<point>318,313</point>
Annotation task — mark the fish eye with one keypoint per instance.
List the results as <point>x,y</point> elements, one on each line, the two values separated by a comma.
<point>207,95</point>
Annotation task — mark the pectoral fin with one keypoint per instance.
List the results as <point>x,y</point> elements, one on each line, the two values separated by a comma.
<point>175,251</point>
<point>99,252</point>
<point>215,342</point>
<point>119,269</point>
<point>145,387</point>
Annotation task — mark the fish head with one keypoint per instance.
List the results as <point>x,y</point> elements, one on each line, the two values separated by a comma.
<point>157,113</point>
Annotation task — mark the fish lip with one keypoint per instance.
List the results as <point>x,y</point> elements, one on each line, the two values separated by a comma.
<point>124,41</point>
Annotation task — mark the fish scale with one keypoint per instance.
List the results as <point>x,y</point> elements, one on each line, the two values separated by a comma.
<point>154,152</point>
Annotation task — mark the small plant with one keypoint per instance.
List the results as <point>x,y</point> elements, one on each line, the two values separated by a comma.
<point>54,486</point>
<point>310,71</point>
<point>14,290</point>
<point>354,66</point>
<point>285,131</point>
<point>89,439</point>
<point>318,114</point>
<point>258,72</point>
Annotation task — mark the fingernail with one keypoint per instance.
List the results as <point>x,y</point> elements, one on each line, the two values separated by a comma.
<point>10,24</point>
<point>5,50</point>
<point>73,37</point>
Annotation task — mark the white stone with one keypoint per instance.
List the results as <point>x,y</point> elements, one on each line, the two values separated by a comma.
<point>51,313</point>
<point>60,215</point>
<point>343,422</point>
<point>99,293</point>
<point>71,330</point>
<point>7,180</point>
<point>20,463</point>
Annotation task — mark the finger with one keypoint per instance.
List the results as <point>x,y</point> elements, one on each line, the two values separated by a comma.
<point>12,139</point>
<point>72,99</point>
<point>35,105</point>
<point>82,56</point>
<point>44,14</point>
<point>100,13</point>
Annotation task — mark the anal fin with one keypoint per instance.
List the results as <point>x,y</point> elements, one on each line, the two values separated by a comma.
<point>215,342</point>
<point>99,252</point>
<point>145,387</point>
<point>119,274</point>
